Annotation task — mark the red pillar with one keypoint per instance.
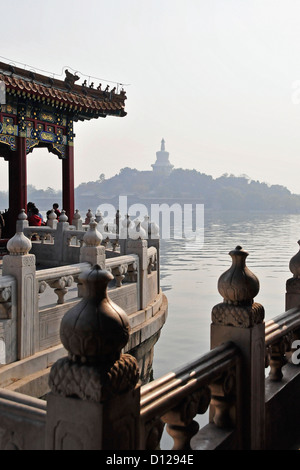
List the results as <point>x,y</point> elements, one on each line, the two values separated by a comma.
<point>68,183</point>
<point>17,172</point>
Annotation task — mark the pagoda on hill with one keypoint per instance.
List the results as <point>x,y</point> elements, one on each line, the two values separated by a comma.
<point>162,166</point>
<point>39,111</point>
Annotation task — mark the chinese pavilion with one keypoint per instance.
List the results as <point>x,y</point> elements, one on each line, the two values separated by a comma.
<point>39,111</point>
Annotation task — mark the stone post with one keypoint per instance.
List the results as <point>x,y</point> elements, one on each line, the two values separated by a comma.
<point>94,401</point>
<point>240,320</point>
<point>123,234</point>
<point>77,220</point>
<point>152,230</point>
<point>292,296</point>
<point>139,247</point>
<point>20,264</point>
<point>92,252</point>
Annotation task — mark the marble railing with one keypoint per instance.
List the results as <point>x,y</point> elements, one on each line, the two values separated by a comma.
<point>124,268</point>
<point>59,279</point>
<point>178,397</point>
<point>246,409</point>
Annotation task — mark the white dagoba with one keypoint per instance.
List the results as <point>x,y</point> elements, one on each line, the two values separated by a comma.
<point>162,166</point>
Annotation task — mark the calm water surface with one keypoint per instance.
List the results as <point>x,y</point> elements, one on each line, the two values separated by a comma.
<point>190,272</point>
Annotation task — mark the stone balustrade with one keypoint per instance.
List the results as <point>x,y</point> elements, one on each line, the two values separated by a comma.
<point>59,279</point>
<point>58,243</point>
<point>123,268</point>
<point>177,398</point>
<point>95,385</point>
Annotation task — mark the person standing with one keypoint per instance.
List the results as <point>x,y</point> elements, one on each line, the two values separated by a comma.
<point>56,210</point>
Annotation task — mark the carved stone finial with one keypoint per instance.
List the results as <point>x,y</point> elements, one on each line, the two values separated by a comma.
<point>295,263</point>
<point>52,215</point>
<point>63,217</point>
<point>19,245</point>
<point>77,215</point>
<point>95,329</point>
<point>137,232</point>
<point>94,332</point>
<point>98,216</point>
<point>92,237</point>
<point>22,215</point>
<point>238,287</point>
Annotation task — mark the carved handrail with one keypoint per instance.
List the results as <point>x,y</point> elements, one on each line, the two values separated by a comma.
<point>279,335</point>
<point>122,266</point>
<point>44,230</point>
<point>281,325</point>
<point>54,273</point>
<point>59,278</point>
<point>72,233</point>
<point>124,259</point>
<point>178,396</point>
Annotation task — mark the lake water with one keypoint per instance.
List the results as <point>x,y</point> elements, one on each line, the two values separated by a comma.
<point>190,272</point>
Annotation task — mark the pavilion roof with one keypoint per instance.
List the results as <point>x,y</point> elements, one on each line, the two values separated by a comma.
<point>83,101</point>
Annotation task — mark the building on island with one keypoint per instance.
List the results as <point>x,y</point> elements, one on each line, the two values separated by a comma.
<point>162,166</point>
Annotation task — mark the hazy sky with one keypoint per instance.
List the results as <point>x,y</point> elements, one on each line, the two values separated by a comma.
<point>217,79</point>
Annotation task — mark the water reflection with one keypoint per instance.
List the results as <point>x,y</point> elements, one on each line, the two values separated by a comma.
<point>190,270</point>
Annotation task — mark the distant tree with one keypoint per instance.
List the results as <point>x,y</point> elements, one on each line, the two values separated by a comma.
<point>101,177</point>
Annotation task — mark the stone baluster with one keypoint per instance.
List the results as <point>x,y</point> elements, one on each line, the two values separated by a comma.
<point>277,359</point>
<point>139,247</point>
<point>292,296</point>
<point>132,272</point>
<point>119,273</point>
<point>152,264</point>
<point>20,264</point>
<point>95,397</point>
<point>60,287</point>
<point>239,319</point>
<point>223,400</point>
<point>156,243</point>
<point>92,252</point>
<point>5,302</point>
<point>181,425</point>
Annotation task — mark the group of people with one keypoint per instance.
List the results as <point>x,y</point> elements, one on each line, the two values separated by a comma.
<point>34,216</point>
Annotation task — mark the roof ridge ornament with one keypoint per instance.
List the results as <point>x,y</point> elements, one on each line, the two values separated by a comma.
<point>70,79</point>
